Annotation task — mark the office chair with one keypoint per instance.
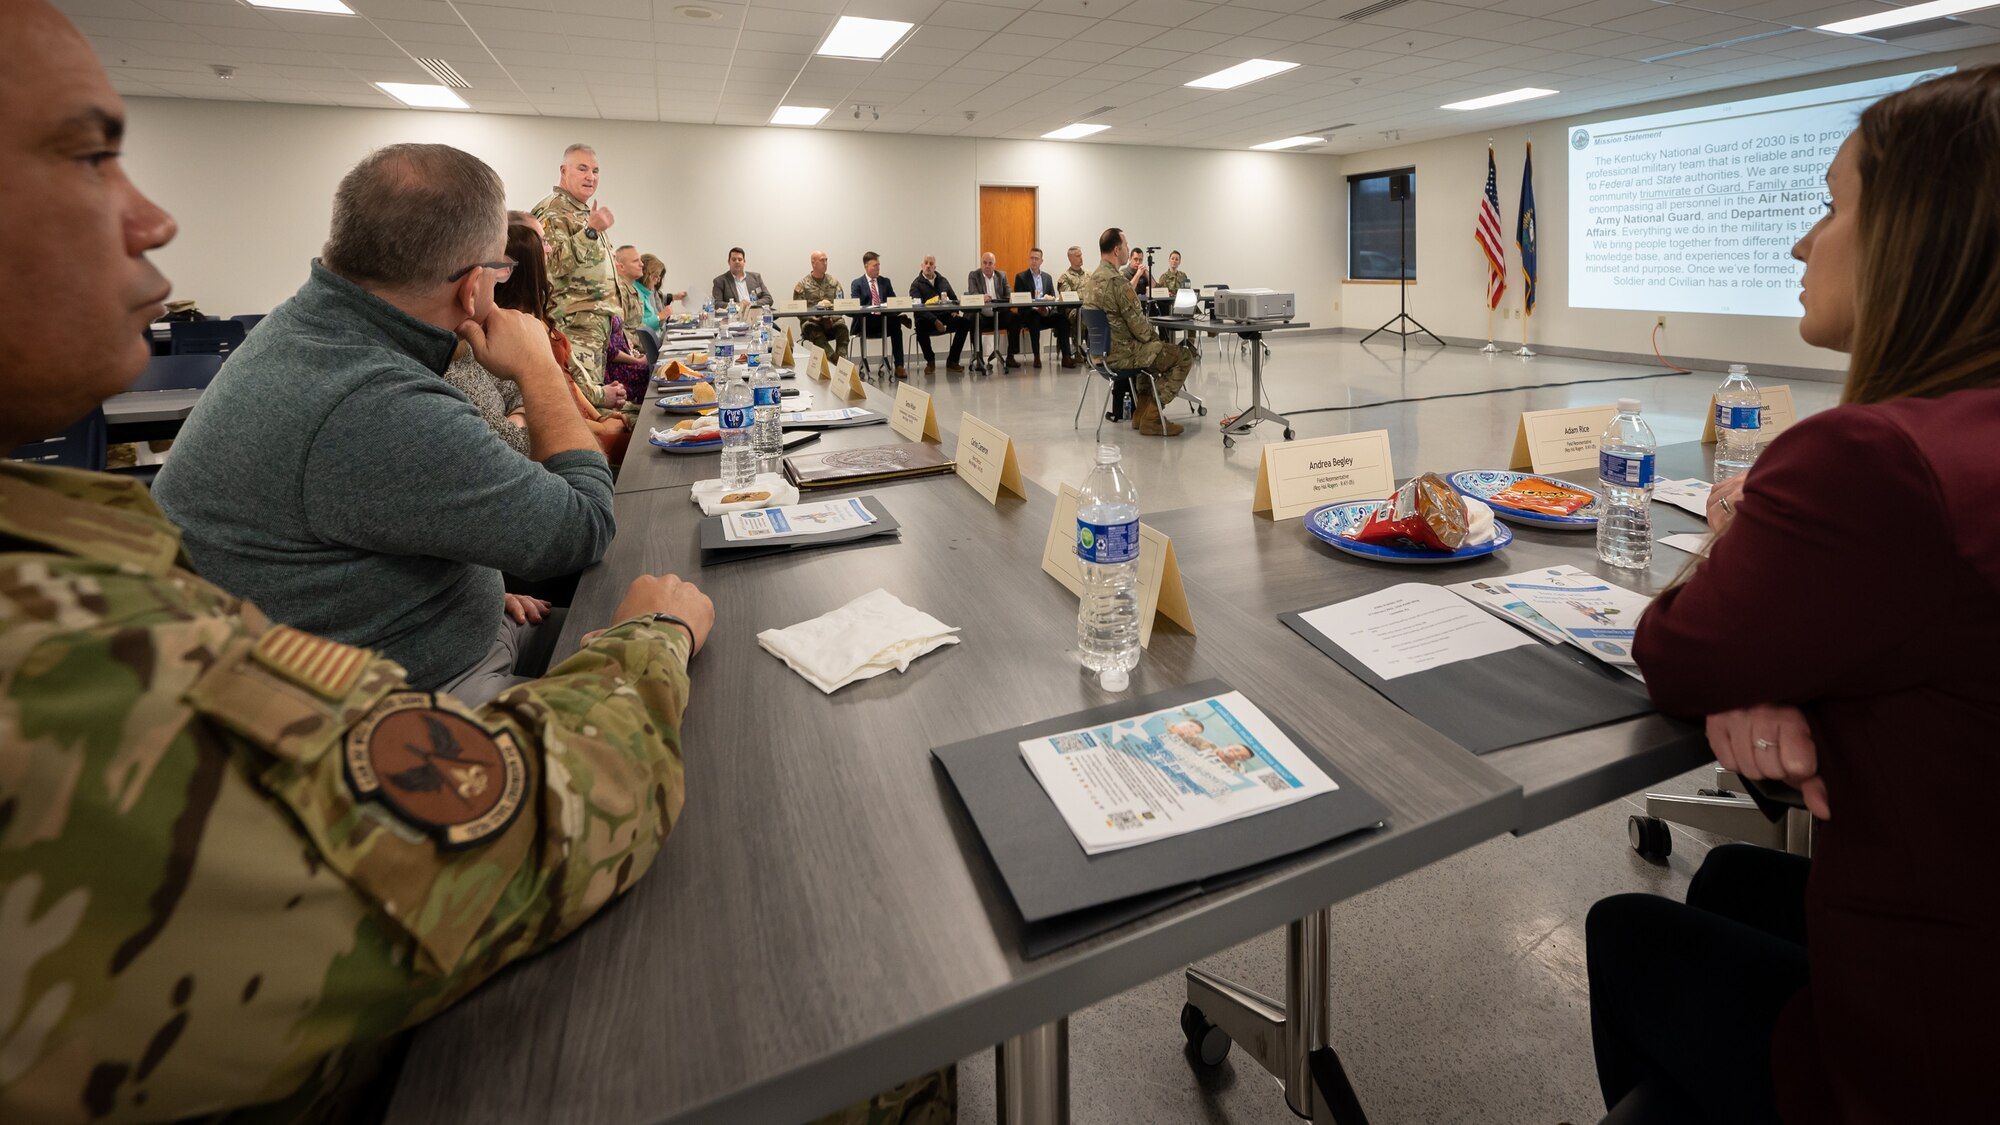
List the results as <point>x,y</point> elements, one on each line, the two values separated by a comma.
<point>82,446</point>
<point>247,320</point>
<point>1770,814</point>
<point>177,372</point>
<point>205,337</point>
<point>1117,381</point>
<point>649,345</point>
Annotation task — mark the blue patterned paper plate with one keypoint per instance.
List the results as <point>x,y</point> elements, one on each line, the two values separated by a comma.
<point>676,384</point>
<point>1484,484</point>
<point>686,405</point>
<point>686,446</point>
<point>1334,523</point>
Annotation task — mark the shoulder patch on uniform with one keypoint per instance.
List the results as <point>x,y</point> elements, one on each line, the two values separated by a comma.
<point>436,768</point>
<point>326,668</point>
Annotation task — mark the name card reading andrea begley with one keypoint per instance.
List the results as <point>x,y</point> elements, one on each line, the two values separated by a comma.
<point>1560,441</point>
<point>913,416</point>
<point>1297,476</point>
<point>1160,591</point>
<point>849,380</point>
<point>815,361</point>
<point>986,460</point>
<point>1776,416</point>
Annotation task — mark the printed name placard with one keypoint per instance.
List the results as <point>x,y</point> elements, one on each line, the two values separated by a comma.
<point>785,350</point>
<point>973,299</point>
<point>986,459</point>
<point>1560,441</point>
<point>913,416</point>
<point>1297,476</point>
<point>846,304</point>
<point>849,380</point>
<point>1778,414</point>
<point>815,361</point>
<point>1160,589</point>
<point>895,302</point>
<point>791,306</point>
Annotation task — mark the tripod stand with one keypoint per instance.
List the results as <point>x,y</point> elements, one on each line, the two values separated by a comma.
<point>1399,192</point>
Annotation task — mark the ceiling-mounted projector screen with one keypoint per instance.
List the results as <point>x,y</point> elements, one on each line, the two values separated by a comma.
<point>1697,210</point>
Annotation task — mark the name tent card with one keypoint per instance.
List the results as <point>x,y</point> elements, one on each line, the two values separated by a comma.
<point>815,361</point>
<point>849,380</point>
<point>913,416</point>
<point>1560,441</point>
<point>1297,476</point>
<point>1777,415</point>
<point>791,306</point>
<point>785,352</point>
<point>846,304</point>
<point>986,460</point>
<point>973,299</point>
<point>1160,589</point>
<point>895,302</point>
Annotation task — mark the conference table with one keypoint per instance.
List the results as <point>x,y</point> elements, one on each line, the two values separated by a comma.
<point>824,922</point>
<point>980,313</point>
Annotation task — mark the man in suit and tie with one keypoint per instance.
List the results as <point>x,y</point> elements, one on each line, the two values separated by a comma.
<point>992,284</point>
<point>738,284</point>
<point>1035,284</point>
<point>871,289</point>
<point>927,284</point>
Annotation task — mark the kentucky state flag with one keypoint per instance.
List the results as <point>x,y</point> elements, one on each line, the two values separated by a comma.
<point>1524,231</point>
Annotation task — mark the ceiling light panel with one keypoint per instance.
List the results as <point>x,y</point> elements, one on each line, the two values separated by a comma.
<point>1896,17</point>
<point>318,7</point>
<point>422,96</point>
<point>1242,74</point>
<point>1525,93</point>
<point>1289,142</point>
<point>1072,132</point>
<point>854,37</point>
<point>799,115</point>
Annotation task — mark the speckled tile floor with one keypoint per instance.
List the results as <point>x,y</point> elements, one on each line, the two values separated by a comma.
<point>1460,992</point>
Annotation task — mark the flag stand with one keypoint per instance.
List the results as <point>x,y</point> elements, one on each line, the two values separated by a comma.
<point>1490,204</point>
<point>1525,352</point>
<point>1491,348</point>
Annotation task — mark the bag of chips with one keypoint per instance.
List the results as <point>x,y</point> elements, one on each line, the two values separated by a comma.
<point>1536,494</point>
<point>1423,515</point>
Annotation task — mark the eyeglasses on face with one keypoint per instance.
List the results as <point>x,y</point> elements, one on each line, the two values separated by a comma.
<point>504,267</point>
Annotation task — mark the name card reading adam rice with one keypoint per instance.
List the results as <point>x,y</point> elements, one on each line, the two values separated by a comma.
<point>1560,441</point>
<point>849,380</point>
<point>1775,418</point>
<point>1297,476</point>
<point>913,416</point>
<point>986,460</point>
<point>1160,589</point>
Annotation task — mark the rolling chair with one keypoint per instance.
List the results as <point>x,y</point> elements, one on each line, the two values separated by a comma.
<point>205,337</point>
<point>177,373</point>
<point>1117,381</point>
<point>247,320</point>
<point>82,446</point>
<point>1768,814</point>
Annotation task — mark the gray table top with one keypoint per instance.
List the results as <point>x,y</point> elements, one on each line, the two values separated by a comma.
<point>150,406</point>
<point>647,467</point>
<point>884,310</point>
<point>1266,568</point>
<point>824,922</point>
<point>1233,327</point>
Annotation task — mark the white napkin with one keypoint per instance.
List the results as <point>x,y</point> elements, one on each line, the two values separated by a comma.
<point>1478,522</point>
<point>862,639</point>
<point>705,428</point>
<point>709,494</point>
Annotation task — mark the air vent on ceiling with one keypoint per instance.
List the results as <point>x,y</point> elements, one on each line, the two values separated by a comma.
<point>443,72</point>
<point>1098,112</point>
<point>1737,42</point>
<point>1928,27</point>
<point>1374,9</point>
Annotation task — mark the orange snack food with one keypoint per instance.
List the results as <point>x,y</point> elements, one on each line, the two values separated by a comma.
<point>1534,494</point>
<point>1424,515</point>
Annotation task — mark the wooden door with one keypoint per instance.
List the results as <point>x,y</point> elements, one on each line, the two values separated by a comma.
<point>1006,227</point>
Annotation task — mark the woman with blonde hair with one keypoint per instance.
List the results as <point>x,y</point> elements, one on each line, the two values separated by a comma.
<point>1840,640</point>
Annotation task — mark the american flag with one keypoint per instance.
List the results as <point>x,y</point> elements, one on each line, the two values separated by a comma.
<point>1487,231</point>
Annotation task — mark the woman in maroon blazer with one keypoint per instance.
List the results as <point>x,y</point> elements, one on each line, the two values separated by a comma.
<point>1844,637</point>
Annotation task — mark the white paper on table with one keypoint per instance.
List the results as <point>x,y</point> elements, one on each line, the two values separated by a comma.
<point>1490,595</point>
<point>1411,627</point>
<point>1690,494</point>
<point>1689,542</point>
<point>798,519</point>
<point>1600,618</point>
<point>840,415</point>
<point>1164,773</point>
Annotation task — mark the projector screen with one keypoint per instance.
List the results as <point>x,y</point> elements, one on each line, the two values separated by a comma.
<point>1697,210</point>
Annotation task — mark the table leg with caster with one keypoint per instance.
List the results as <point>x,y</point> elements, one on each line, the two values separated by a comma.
<point>1290,1040</point>
<point>1257,411</point>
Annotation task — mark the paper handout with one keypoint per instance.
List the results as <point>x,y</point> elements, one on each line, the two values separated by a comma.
<point>1410,628</point>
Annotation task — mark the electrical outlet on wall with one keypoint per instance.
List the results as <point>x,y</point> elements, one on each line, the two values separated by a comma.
<point>1662,322</point>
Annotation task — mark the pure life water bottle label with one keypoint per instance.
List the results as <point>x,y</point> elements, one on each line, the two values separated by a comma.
<point>1627,472</point>
<point>1738,417</point>
<point>735,418</point>
<point>1107,542</point>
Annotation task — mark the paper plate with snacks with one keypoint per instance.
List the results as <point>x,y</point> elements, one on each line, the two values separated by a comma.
<point>1422,523</point>
<point>696,435</point>
<point>699,399</point>
<point>1535,499</point>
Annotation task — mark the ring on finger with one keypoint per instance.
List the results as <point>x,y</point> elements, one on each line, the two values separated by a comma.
<point>1765,744</point>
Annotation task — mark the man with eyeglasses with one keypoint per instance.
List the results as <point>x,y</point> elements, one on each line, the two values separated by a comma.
<point>332,476</point>
<point>582,284</point>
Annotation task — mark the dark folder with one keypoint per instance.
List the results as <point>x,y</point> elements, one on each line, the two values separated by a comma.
<point>716,547</point>
<point>1064,895</point>
<point>839,467</point>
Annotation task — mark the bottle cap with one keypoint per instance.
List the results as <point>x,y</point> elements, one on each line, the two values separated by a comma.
<point>1628,406</point>
<point>1114,679</point>
<point>1107,454</point>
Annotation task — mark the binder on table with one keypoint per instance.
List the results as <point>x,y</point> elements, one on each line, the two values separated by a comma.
<point>716,547</point>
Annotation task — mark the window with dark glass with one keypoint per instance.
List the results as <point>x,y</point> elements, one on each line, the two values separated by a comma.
<point>1375,223</point>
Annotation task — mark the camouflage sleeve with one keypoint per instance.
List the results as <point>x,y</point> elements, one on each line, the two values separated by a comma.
<point>571,248</point>
<point>1125,306</point>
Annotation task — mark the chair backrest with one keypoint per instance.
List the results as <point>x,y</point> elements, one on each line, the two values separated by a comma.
<point>177,372</point>
<point>247,320</point>
<point>82,446</point>
<point>1096,332</point>
<point>205,337</point>
<point>648,344</point>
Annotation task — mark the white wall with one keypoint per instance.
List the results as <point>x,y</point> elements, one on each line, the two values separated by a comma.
<point>1450,295</point>
<point>251,185</point>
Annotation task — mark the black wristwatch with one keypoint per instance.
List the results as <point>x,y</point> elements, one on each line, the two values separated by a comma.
<point>590,233</point>
<point>670,619</point>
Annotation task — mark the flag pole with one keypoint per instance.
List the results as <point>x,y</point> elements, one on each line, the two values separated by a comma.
<point>1492,348</point>
<point>1526,312</point>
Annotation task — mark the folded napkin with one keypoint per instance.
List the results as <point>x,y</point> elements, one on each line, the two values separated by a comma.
<point>1478,522</point>
<point>765,490</point>
<point>705,428</point>
<point>861,640</point>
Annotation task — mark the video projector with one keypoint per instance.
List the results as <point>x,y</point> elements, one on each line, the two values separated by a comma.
<point>1254,304</point>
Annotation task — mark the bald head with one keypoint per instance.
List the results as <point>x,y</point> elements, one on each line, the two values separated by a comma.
<point>986,262</point>
<point>818,264</point>
<point>78,271</point>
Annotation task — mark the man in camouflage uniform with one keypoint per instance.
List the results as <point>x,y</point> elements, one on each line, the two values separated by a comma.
<point>818,291</point>
<point>1134,344</point>
<point>629,267</point>
<point>1070,283</point>
<point>1173,281</point>
<point>582,288</point>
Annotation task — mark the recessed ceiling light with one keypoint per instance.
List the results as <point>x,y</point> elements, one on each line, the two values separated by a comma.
<point>1289,142</point>
<point>799,114</point>
<point>696,12</point>
<point>1523,94</point>
<point>1072,132</point>
<point>322,7</point>
<point>1242,74</point>
<point>853,37</point>
<point>423,95</point>
<point>1897,17</point>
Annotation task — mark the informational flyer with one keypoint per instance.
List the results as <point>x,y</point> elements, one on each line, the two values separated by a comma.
<point>1493,596</point>
<point>1162,774</point>
<point>1411,627</point>
<point>797,519</point>
<point>807,416</point>
<point>1689,495</point>
<point>1597,617</point>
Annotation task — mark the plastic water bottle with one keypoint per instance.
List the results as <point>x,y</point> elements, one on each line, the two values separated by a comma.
<point>765,433</point>
<point>1738,422</point>
<point>735,314</point>
<point>1107,551</point>
<point>1625,452</point>
<point>739,459</point>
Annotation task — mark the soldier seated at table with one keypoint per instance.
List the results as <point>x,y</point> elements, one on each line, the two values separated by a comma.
<point>819,291</point>
<point>1134,344</point>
